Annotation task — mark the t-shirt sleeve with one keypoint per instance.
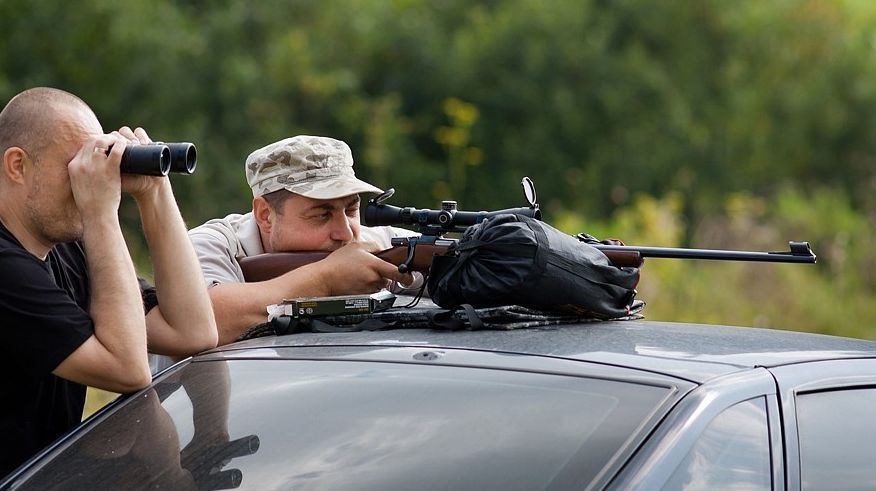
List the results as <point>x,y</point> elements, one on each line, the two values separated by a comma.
<point>149,295</point>
<point>42,325</point>
<point>216,257</point>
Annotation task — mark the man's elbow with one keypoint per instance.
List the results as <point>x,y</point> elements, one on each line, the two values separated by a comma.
<point>182,337</point>
<point>197,341</point>
<point>207,336</point>
<point>131,381</point>
<point>207,340</point>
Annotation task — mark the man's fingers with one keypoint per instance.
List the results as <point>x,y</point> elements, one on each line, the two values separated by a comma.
<point>101,146</point>
<point>118,144</point>
<point>390,271</point>
<point>385,268</point>
<point>117,150</point>
<point>137,135</point>
<point>141,135</point>
<point>415,282</point>
<point>359,269</point>
<point>404,279</point>
<point>127,133</point>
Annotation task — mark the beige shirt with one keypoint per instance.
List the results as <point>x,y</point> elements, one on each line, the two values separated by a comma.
<point>221,241</point>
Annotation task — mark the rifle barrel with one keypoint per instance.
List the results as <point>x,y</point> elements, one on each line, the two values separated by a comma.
<point>800,252</point>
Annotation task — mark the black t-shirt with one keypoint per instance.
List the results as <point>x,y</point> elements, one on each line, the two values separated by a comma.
<point>43,319</point>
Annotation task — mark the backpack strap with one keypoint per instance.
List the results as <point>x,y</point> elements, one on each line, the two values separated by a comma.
<point>445,319</point>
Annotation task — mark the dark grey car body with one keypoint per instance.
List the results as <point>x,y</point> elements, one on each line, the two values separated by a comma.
<point>604,405</point>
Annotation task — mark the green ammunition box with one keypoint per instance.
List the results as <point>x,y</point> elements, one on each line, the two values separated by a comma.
<point>340,305</point>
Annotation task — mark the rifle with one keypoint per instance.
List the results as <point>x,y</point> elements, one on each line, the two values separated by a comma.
<point>416,253</point>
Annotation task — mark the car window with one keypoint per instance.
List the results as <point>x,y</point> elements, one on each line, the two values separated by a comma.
<point>837,431</point>
<point>292,424</point>
<point>732,453</point>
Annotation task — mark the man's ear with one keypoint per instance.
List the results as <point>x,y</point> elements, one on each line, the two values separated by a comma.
<point>263,214</point>
<point>15,163</point>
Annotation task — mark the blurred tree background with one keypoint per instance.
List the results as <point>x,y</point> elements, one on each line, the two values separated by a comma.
<point>716,124</point>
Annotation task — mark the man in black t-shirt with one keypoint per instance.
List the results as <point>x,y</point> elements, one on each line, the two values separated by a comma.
<point>72,312</point>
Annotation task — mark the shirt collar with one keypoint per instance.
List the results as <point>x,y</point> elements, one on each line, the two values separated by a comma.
<point>250,238</point>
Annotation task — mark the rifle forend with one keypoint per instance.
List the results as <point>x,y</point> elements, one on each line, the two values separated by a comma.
<point>798,252</point>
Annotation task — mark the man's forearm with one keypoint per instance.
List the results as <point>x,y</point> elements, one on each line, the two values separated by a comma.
<point>116,307</point>
<point>183,300</point>
<point>240,306</point>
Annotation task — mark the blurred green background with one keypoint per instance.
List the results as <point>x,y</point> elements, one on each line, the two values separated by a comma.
<point>708,123</point>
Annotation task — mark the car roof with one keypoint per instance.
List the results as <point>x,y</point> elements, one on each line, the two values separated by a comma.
<point>693,352</point>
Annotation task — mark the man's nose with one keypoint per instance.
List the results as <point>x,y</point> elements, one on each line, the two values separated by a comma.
<point>342,229</point>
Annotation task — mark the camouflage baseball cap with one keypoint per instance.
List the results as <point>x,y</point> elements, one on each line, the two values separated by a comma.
<point>313,166</point>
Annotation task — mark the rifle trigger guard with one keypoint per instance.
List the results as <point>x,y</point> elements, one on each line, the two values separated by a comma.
<point>405,267</point>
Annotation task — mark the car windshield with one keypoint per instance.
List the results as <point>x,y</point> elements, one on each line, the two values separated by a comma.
<point>311,424</point>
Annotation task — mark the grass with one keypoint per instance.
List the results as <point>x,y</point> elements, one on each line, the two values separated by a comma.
<point>96,399</point>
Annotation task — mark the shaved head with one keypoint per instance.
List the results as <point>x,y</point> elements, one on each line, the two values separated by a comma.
<point>41,131</point>
<point>31,119</point>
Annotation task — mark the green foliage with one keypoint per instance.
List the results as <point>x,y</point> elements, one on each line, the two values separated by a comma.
<point>676,118</point>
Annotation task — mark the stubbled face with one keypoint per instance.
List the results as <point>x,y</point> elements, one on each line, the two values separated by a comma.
<point>307,224</point>
<point>49,204</point>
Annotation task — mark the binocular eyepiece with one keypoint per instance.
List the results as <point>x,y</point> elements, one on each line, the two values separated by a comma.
<point>159,159</point>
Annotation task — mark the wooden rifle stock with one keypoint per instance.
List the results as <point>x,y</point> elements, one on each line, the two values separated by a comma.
<point>264,267</point>
<point>621,258</point>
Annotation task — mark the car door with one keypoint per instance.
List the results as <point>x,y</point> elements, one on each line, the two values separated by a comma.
<point>720,436</point>
<point>829,410</point>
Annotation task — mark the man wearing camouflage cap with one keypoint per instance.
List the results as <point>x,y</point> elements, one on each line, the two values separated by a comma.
<point>305,198</point>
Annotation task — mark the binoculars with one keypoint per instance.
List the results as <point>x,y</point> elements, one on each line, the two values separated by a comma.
<point>159,159</point>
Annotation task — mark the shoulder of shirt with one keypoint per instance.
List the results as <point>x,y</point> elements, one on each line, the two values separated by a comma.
<point>227,228</point>
<point>10,247</point>
<point>231,222</point>
<point>237,233</point>
<point>8,241</point>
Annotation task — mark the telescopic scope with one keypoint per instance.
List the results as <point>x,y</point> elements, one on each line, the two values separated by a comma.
<point>448,218</point>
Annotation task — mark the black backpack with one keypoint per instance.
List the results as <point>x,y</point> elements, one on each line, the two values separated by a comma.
<point>514,259</point>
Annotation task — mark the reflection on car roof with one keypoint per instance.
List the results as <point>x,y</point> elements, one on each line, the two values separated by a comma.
<point>694,352</point>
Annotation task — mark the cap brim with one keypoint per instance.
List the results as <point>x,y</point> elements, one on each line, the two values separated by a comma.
<point>333,188</point>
